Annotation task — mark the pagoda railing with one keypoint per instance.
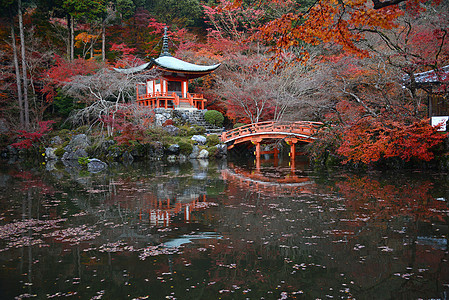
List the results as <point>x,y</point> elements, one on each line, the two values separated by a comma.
<point>190,96</point>
<point>176,99</point>
<point>170,100</point>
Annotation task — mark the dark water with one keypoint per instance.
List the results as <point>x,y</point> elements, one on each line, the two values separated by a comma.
<point>207,230</point>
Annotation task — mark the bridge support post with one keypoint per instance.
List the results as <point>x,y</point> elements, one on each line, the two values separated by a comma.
<point>293,151</point>
<point>258,156</point>
<point>292,142</point>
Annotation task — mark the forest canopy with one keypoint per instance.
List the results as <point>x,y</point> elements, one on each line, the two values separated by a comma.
<point>350,64</point>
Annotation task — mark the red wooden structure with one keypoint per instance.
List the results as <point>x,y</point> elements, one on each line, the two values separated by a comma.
<point>270,132</point>
<point>169,100</point>
<point>170,88</point>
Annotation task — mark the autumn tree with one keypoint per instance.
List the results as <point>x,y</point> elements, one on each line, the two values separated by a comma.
<point>341,23</point>
<point>104,93</point>
<point>419,43</point>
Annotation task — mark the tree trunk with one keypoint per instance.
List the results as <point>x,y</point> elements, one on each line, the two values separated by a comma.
<point>24,68</point>
<point>103,41</point>
<point>72,38</point>
<point>18,80</point>
<point>69,36</point>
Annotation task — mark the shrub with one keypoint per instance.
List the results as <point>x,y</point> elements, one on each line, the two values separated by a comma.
<point>81,129</point>
<point>195,129</point>
<point>212,140</point>
<point>214,117</point>
<point>212,151</point>
<point>185,148</point>
<point>59,152</point>
<point>237,125</point>
<point>28,139</point>
<point>183,130</point>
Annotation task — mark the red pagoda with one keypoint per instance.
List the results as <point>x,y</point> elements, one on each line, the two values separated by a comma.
<point>170,89</point>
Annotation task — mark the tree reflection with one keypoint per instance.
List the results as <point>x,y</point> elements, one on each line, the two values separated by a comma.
<point>208,232</point>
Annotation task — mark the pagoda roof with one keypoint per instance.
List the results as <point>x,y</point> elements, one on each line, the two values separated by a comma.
<point>430,77</point>
<point>171,65</point>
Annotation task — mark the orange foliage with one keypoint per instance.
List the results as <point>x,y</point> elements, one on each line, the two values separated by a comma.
<point>339,22</point>
<point>371,139</point>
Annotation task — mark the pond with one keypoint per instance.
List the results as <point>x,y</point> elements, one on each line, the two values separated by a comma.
<point>222,230</point>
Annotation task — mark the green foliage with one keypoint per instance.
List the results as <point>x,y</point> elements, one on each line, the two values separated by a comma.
<point>59,152</point>
<point>126,8</point>
<point>185,148</point>
<point>183,130</point>
<point>212,140</point>
<point>85,9</point>
<point>212,151</point>
<point>195,129</point>
<point>187,13</point>
<point>186,130</point>
<point>83,161</point>
<point>237,125</point>
<point>64,105</point>
<point>65,143</point>
<point>214,117</point>
<point>81,129</point>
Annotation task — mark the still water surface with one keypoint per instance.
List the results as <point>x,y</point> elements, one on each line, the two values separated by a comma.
<point>208,230</point>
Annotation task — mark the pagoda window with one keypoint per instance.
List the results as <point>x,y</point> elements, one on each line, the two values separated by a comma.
<point>157,85</point>
<point>175,86</point>
<point>150,87</point>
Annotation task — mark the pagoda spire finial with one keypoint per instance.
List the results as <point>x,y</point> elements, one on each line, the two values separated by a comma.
<point>165,44</point>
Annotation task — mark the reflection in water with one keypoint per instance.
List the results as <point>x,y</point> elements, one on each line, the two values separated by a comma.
<point>209,231</point>
<point>267,182</point>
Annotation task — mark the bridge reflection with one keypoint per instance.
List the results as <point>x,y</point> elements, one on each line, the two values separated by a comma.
<point>265,183</point>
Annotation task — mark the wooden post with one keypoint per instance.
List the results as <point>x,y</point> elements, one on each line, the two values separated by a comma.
<point>292,151</point>
<point>258,150</point>
<point>257,155</point>
<point>292,142</point>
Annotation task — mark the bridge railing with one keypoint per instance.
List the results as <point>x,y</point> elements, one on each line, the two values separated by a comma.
<point>299,127</point>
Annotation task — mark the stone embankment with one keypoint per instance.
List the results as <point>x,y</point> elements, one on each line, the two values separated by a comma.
<point>95,154</point>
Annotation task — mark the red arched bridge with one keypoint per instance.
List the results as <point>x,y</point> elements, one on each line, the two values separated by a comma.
<point>268,132</point>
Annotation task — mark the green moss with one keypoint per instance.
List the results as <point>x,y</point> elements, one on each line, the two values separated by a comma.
<point>59,152</point>
<point>185,148</point>
<point>195,129</point>
<point>212,140</point>
<point>212,151</point>
<point>83,161</point>
<point>184,130</point>
<point>81,129</point>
